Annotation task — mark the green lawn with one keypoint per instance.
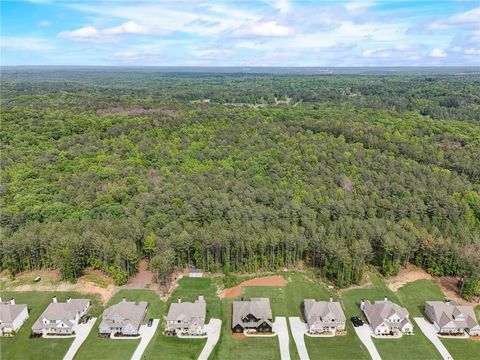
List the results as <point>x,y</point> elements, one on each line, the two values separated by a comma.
<point>96,348</point>
<point>21,346</point>
<point>414,297</point>
<point>173,348</point>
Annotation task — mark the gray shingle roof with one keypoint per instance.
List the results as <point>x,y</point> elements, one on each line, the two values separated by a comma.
<point>258,307</point>
<point>188,311</point>
<point>61,311</point>
<point>449,314</point>
<point>9,312</point>
<point>322,311</point>
<point>123,313</point>
<point>381,310</point>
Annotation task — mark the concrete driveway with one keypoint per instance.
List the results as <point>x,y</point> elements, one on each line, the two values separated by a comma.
<point>363,333</point>
<point>431,334</point>
<point>299,328</point>
<point>281,329</point>
<point>213,329</point>
<point>146,334</point>
<point>81,331</point>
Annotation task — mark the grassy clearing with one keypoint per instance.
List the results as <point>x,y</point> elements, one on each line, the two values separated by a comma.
<point>21,346</point>
<point>173,348</point>
<point>404,347</point>
<point>95,348</point>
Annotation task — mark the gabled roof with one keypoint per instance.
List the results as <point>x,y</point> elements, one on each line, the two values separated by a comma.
<point>188,311</point>
<point>380,311</point>
<point>322,311</point>
<point>124,313</point>
<point>64,312</point>
<point>258,307</point>
<point>449,314</point>
<point>9,312</point>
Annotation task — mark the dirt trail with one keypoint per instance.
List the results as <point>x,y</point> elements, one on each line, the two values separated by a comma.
<point>410,274</point>
<point>263,281</point>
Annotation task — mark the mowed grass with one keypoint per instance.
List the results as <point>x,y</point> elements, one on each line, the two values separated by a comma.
<point>173,348</point>
<point>404,347</point>
<point>21,347</point>
<point>97,348</point>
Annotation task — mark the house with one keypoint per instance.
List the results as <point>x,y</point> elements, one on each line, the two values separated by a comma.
<point>187,317</point>
<point>253,315</point>
<point>123,318</point>
<point>450,318</point>
<point>12,316</point>
<point>61,318</point>
<point>386,317</point>
<point>195,273</point>
<point>323,316</point>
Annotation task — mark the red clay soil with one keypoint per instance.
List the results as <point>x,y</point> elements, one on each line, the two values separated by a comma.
<point>143,279</point>
<point>263,281</point>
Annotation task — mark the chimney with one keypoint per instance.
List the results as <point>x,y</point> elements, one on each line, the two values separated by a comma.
<point>69,299</point>
<point>201,298</point>
<point>331,299</point>
<point>385,298</point>
<point>0,299</point>
<point>54,299</point>
<point>123,299</point>
<point>447,302</point>
<point>362,304</point>
<point>179,300</point>
<point>12,301</point>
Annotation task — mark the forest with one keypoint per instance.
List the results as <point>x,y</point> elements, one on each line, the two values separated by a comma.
<point>240,173</point>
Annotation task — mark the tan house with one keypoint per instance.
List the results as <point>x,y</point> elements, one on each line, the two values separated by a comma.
<point>186,317</point>
<point>450,318</point>
<point>322,316</point>
<point>123,318</point>
<point>386,317</point>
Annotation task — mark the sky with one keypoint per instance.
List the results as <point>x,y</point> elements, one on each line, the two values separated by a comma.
<point>241,33</point>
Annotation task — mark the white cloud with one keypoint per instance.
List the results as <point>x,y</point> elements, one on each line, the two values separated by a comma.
<point>282,5</point>
<point>135,56</point>
<point>92,34</point>
<point>44,23</point>
<point>359,5</point>
<point>438,53</point>
<point>25,43</point>
<point>270,28</point>
<point>470,18</point>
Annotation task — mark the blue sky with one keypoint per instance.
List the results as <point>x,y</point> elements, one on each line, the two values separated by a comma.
<point>240,33</point>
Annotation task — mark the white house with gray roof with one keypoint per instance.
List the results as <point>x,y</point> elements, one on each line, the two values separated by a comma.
<point>253,315</point>
<point>322,316</point>
<point>187,318</point>
<point>12,316</point>
<point>61,318</point>
<point>123,318</point>
<point>386,317</point>
<point>450,318</point>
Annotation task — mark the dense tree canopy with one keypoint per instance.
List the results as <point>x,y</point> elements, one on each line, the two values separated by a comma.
<point>241,173</point>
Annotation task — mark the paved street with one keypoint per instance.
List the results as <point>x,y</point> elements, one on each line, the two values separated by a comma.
<point>280,327</point>
<point>363,333</point>
<point>299,329</point>
<point>213,329</point>
<point>431,334</point>
<point>146,334</point>
<point>81,332</point>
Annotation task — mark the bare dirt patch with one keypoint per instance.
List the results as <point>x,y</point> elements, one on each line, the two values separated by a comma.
<point>276,281</point>
<point>449,286</point>
<point>410,274</point>
<point>135,110</point>
<point>143,279</point>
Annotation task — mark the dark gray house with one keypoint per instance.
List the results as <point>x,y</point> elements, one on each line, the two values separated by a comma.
<point>254,315</point>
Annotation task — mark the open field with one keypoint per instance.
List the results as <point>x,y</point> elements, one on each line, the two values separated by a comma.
<point>96,348</point>
<point>276,281</point>
<point>21,346</point>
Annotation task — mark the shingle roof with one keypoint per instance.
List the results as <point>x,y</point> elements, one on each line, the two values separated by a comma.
<point>127,312</point>
<point>9,312</point>
<point>449,314</point>
<point>258,307</point>
<point>188,311</point>
<point>322,311</point>
<point>381,310</point>
<point>65,312</point>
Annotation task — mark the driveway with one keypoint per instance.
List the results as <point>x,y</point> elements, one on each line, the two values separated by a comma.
<point>280,327</point>
<point>146,334</point>
<point>363,333</point>
<point>431,334</point>
<point>299,328</point>
<point>81,331</point>
<point>213,329</point>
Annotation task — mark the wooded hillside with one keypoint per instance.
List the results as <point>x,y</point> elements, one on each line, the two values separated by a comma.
<point>241,174</point>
